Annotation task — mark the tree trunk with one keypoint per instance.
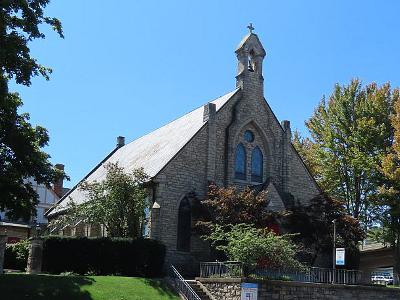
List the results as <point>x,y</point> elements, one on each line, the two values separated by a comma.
<point>357,197</point>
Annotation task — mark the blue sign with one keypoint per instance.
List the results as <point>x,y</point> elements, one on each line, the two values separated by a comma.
<point>249,291</point>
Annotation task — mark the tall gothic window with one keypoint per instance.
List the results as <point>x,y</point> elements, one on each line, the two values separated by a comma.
<point>184,226</point>
<point>240,162</point>
<point>256,165</point>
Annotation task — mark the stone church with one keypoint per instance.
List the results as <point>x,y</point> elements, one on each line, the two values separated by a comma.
<point>233,140</point>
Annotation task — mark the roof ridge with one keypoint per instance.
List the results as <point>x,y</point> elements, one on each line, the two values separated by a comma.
<point>180,117</point>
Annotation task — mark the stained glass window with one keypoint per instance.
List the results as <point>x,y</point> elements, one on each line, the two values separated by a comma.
<point>256,165</point>
<point>248,136</point>
<point>240,162</point>
<point>184,226</point>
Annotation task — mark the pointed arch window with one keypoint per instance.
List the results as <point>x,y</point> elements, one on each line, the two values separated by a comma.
<point>240,162</point>
<point>184,226</point>
<point>250,61</point>
<point>256,165</point>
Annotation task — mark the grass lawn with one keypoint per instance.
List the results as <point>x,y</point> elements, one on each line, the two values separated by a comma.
<point>49,287</point>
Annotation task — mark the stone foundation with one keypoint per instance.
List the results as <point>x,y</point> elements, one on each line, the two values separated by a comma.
<point>223,289</point>
<point>230,289</point>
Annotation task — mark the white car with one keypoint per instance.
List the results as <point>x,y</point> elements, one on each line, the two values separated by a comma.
<point>380,279</point>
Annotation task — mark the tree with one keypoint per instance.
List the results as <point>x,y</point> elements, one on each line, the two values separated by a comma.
<point>229,206</point>
<point>314,227</point>
<point>254,247</point>
<point>310,224</point>
<point>19,24</point>
<point>118,202</point>
<point>388,200</point>
<point>350,133</point>
<point>308,150</point>
<point>21,157</point>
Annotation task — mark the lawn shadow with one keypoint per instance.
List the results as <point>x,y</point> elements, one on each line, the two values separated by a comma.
<point>161,287</point>
<point>44,287</point>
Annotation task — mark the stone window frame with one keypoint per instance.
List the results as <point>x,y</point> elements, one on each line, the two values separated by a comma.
<point>240,175</point>
<point>261,141</point>
<point>182,244</point>
<point>255,177</point>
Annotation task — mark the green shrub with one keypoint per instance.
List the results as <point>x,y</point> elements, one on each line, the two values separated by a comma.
<point>254,247</point>
<point>16,255</point>
<point>103,256</point>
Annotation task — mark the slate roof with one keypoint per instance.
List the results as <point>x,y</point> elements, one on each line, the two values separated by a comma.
<point>151,152</point>
<point>372,247</point>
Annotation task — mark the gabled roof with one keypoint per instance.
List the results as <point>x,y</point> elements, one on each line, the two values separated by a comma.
<point>252,40</point>
<point>151,152</point>
<point>269,184</point>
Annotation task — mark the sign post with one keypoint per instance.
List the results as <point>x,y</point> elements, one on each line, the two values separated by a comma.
<point>334,252</point>
<point>249,291</point>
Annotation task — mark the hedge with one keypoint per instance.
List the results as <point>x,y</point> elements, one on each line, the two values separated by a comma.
<point>16,255</point>
<point>103,256</point>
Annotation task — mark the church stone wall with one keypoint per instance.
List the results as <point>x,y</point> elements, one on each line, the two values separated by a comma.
<point>301,185</point>
<point>248,110</point>
<point>185,173</point>
<point>282,163</point>
<point>243,112</point>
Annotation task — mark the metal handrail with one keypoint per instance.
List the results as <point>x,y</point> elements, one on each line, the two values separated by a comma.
<point>183,286</point>
<point>231,269</point>
<point>313,274</point>
<point>221,269</point>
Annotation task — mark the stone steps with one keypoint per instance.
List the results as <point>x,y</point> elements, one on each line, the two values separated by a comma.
<point>199,291</point>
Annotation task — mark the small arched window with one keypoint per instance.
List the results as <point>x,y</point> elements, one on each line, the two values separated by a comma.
<point>250,61</point>
<point>256,165</point>
<point>184,226</point>
<point>240,162</point>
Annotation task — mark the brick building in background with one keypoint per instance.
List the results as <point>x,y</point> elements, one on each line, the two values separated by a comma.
<point>233,140</point>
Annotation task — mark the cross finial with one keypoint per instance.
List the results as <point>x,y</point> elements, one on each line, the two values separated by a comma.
<point>250,27</point>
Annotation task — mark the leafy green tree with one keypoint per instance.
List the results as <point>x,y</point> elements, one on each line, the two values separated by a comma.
<point>254,247</point>
<point>388,200</point>
<point>20,23</point>
<point>350,133</point>
<point>21,156</point>
<point>118,202</point>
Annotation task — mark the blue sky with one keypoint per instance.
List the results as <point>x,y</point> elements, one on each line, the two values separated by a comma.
<point>128,67</point>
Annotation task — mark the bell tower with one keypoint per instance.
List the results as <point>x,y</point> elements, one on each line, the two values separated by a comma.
<point>250,55</point>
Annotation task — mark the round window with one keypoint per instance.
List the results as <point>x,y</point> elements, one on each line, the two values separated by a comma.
<point>248,136</point>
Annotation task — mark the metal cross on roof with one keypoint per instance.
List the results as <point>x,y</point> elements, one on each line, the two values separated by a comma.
<point>250,27</point>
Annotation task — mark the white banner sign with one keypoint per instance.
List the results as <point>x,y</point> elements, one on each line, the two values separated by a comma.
<point>340,254</point>
<point>249,291</point>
